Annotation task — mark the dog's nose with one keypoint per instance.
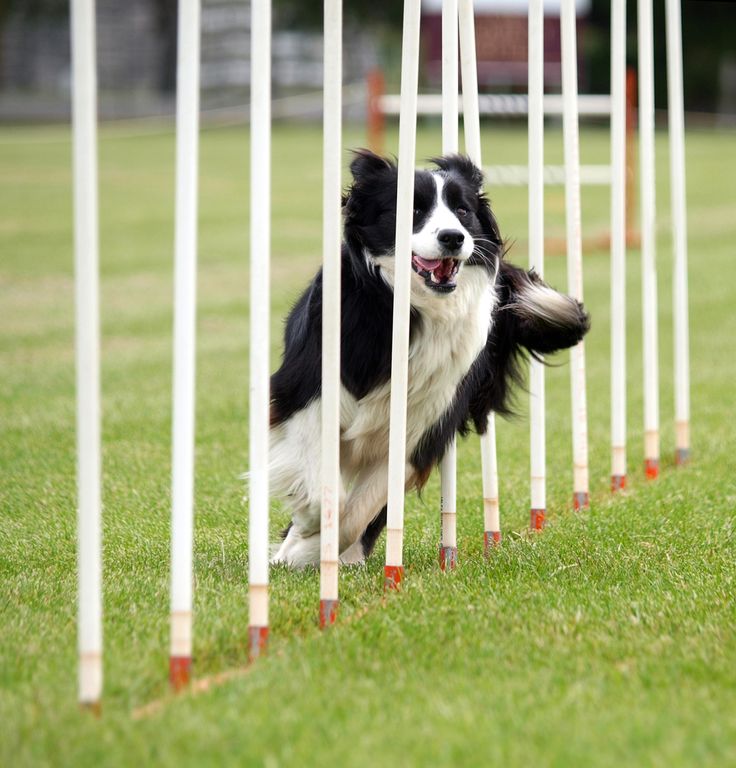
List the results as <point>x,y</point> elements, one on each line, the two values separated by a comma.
<point>451,239</point>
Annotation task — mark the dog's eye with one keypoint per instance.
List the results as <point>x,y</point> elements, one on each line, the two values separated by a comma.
<point>417,212</point>
<point>461,212</point>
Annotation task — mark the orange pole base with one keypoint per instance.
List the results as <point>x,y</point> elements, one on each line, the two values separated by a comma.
<point>392,577</point>
<point>257,642</point>
<point>327,613</point>
<point>448,558</point>
<point>651,468</point>
<point>618,483</point>
<point>180,671</point>
<point>536,520</point>
<point>491,539</point>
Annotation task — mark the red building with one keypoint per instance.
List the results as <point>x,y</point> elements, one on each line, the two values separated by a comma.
<point>501,41</point>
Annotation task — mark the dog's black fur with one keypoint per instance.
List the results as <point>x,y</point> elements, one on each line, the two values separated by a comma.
<point>518,327</point>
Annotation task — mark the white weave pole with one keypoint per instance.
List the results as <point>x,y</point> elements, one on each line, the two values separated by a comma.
<point>618,245</point>
<point>471,124</point>
<point>86,271</point>
<point>676,115</point>
<point>260,319</point>
<point>448,465</point>
<point>394,568</point>
<point>331,258</point>
<point>573,218</point>
<point>648,239</point>
<point>185,273</point>
<point>536,256</point>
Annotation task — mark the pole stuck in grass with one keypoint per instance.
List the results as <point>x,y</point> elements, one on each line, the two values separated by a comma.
<point>87,321</point>
<point>676,116</point>
<point>536,255</point>
<point>573,217</point>
<point>648,239</point>
<point>448,465</point>
<point>618,245</point>
<point>471,125</point>
<point>331,263</point>
<point>260,320</point>
<point>394,568</point>
<point>185,282</point>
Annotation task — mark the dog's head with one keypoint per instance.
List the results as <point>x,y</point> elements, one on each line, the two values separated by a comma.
<point>453,225</point>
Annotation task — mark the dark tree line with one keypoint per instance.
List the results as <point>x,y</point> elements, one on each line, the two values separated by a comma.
<point>709,35</point>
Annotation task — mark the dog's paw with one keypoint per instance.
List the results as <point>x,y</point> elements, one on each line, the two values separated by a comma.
<point>297,551</point>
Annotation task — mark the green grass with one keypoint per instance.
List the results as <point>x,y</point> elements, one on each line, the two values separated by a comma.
<point>608,640</point>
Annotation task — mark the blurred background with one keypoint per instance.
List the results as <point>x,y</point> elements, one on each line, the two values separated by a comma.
<point>136,43</point>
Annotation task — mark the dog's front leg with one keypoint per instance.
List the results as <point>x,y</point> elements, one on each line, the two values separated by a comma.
<point>366,499</point>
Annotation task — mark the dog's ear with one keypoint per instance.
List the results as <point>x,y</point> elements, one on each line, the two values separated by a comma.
<point>488,221</point>
<point>462,166</point>
<point>368,165</point>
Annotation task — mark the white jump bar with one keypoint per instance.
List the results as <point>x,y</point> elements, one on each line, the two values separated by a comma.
<point>590,105</point>
<point>554,175</point>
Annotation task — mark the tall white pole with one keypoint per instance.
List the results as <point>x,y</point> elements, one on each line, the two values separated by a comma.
<point>618,245</point>
<point>331,262</point>
<point>471,123</point>
<point>86,242</point>
<point>400,338</point>
<point>185,269</point>
<point>648,239</point>
<point>536,255</point>
<point>574,247</point>
<point>679,230</point>
<point>260,319</point>
<point>448,465</point>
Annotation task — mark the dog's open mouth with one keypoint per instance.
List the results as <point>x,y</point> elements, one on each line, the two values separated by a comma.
<point>438,274</point>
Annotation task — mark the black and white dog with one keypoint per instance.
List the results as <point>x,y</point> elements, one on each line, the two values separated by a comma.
<point>473,317</point>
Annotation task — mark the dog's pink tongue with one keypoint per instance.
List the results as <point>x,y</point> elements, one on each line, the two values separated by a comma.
<point>428,264</point>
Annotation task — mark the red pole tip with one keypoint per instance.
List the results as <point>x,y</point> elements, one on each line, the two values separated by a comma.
<point>536,522</point>
<point>257,642</point>
<point>180,670</point>
<point>580,500</point>
<point>448,558</point>
<point>618,483</point>
<point>651,468</point>
<point>392,576</point>
<point>682,456</point>
<point>327,613</point>
<point>490,539</point>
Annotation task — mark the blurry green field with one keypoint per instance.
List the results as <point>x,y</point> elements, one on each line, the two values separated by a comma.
<point>608,640</point>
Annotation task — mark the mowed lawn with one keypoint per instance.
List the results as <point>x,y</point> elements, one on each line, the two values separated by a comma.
<point>609,639</point>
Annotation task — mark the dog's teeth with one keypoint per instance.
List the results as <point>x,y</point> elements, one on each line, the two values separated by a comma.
<point>434,277</point>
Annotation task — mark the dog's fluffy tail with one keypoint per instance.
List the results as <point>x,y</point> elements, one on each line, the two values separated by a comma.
<point>530,318</point>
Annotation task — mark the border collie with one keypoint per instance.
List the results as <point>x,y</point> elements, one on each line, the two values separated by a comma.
<point>474,316</point>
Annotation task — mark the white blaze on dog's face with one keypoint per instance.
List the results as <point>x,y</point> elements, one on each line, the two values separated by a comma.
<point>441,243</point>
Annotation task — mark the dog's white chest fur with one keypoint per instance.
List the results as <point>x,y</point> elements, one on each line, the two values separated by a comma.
<point>452,333</point>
